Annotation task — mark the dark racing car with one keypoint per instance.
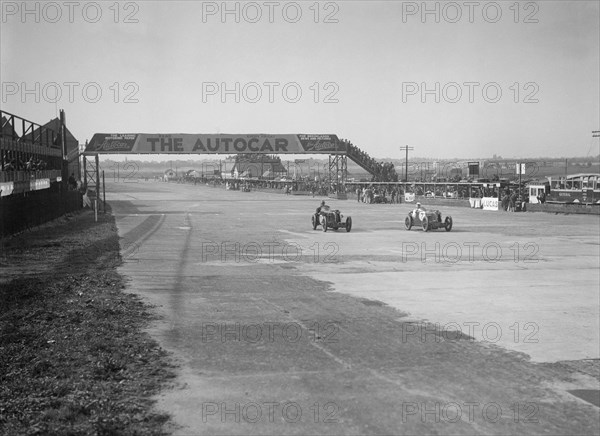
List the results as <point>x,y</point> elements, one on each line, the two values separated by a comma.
<point>329,218</point>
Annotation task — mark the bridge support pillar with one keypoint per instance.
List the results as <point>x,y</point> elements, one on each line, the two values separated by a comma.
<point>92,179</point>
<point>338,174</point>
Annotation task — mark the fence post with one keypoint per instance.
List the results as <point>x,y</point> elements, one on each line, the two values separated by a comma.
<point>97,176</point>
<point>103,191</point>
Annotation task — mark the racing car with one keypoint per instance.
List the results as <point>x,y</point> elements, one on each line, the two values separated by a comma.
<point>428,220</point>
<point>330,219</point>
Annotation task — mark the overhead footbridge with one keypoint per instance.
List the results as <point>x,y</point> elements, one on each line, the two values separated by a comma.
<point>222,143</point>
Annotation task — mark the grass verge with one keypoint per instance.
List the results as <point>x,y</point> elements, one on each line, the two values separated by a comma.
<point>74,357</point>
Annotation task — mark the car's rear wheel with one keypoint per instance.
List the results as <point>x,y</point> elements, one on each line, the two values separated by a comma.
<point>314,223</point>
<point>348,224</point>
<point>448,223</point>
<point>408,222</point>
<point>425,224</point>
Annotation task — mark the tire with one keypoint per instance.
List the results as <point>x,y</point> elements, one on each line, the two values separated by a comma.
<point>408,222</point>
<point>314,223</point>
<point>448,223</point>
<point>348,224</point>
<point>425,224</point>
<point>324,223</point>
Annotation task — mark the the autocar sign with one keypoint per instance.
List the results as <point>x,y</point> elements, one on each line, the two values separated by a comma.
<point>142,143</point>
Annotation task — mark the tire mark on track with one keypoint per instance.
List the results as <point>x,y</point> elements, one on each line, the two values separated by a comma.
<point>340,361</point>
<point>133,239</point>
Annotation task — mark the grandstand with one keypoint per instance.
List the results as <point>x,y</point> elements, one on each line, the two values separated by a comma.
<point>34,170</point>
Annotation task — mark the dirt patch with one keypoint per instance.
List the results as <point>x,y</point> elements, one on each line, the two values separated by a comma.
<point>74,358</point>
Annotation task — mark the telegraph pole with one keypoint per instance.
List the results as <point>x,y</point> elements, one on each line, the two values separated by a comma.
<point>406,148</point>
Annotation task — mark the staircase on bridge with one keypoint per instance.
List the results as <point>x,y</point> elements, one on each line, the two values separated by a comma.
<point>367,163</point>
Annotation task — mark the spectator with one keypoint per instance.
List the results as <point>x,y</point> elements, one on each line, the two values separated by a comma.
<point>512,201</point>
<point>72,184</point>
<point>504,202</point>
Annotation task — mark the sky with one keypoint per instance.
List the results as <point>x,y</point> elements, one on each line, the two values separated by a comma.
<point>450,79</point>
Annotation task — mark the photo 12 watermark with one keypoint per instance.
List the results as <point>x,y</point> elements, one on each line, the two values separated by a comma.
<point>269,332</point>
<point>452,12</point>
<point>270,92</point>
<point>472,412</point>
<point>253,412</point>
<point>519,332</point>
<point>71,92</point>
<point>455,171</point>
<point>129,253</point>
<point>267,252</point>
<point>470,92</point>
<point>470,252</point>
<point>270,12</point>
<point>124,172</point>
<point>70,12</point>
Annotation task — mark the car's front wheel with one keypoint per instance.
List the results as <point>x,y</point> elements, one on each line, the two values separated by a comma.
<point>408,222</point>
<point>448,223</point>
<point>425,224</point>
<point>348,224</point>
<point>314,223</point>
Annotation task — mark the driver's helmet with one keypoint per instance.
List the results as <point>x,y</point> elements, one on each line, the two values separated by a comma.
<point>323,203</point>
<point>418,205</point>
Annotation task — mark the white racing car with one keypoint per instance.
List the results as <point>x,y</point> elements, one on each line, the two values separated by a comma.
<point>428,220</point>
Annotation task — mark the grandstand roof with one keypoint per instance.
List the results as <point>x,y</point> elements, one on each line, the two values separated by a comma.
<point>7,129</point>
<point>54,124</point>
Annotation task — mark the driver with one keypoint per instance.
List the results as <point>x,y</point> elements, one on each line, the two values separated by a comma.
<point>419,211</point>
<point>322,206</point>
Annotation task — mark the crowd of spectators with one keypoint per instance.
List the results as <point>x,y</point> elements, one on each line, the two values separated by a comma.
<point>513,201</point>
<point>315,188</point>
<point>380,171</point>
<point>16,164</point>
<point>379,194</point>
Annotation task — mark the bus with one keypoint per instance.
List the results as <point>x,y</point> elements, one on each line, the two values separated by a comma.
<point>576,188</point>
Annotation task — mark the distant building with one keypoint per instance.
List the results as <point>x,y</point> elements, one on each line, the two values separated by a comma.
<point>266,170</point>
<point>169,174</point>
<point>192,173</point>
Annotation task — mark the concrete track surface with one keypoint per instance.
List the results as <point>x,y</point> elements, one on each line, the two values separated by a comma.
<point>282,329</point>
